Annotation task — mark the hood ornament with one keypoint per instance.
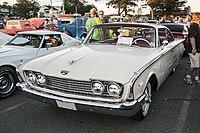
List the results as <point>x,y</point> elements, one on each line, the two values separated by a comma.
<point>64,72</point>
<point>74,60</point>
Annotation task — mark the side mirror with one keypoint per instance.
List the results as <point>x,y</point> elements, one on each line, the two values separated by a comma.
<point>165,42</point>
<point>48,45</point>
<point>82,39</point>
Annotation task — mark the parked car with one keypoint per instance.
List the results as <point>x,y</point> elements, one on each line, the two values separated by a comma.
<point>179,31</point>
<point>114,75</point>
<point>153,21</point>
<point>38,23</point>
<point>2,26</point>
<point>14,26</point>
<point>73,25</point>
<point>25,46</point>
<point>4,38</point>
<point>117,19</point>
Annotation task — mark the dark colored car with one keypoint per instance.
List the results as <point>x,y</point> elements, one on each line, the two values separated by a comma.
<point>179,31</point>
<point>2,26</point>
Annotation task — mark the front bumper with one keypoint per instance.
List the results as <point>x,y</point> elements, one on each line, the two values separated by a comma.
<point>127,109</point>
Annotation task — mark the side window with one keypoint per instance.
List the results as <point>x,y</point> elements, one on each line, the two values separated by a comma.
<point>165,34</point>
<point>54,40</point>
<point>170,37</point>
<point>35,41</point>
<point>161,36</point>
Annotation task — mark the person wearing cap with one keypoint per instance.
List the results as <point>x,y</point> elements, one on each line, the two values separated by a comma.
<point>93,20</point>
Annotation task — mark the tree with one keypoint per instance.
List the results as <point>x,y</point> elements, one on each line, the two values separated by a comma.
<point>26,8</point>
<point>166,7</point>
<point>71,6</point>
<point>6,6</point>
<point>121,4</point>
<point>153,4</point>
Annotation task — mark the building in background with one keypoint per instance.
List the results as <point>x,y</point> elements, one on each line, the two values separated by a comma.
<point>141,9</point>
<point>48,11</point>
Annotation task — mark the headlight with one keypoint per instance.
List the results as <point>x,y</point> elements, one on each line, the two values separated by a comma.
<point>41,79</point>
<point>31,77</point>
<point>98,88</point>
<point>114,89</point>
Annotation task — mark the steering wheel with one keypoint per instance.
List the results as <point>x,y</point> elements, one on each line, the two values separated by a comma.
<point>141,42</point>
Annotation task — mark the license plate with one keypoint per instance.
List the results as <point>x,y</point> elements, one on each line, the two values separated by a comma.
<point>66,105</point>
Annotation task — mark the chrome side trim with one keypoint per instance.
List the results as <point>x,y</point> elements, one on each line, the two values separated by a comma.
<point>139,72</point>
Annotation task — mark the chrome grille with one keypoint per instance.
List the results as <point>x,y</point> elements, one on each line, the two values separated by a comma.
<point>71,86</point>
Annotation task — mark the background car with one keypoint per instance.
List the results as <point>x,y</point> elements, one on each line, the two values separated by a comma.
<point>73,25</point>
<point>153,21</point>
<point>15,26</point>
<point>113,75</point>
<point>179,31</point>
<point>25,46</point>
<point>2,26</point>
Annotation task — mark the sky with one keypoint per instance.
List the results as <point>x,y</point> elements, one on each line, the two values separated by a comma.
<point>194,4</point>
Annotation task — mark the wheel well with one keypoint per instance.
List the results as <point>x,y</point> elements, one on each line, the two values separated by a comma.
<point>154,82</point>
<point>12,67</point>
<point>84,34</point>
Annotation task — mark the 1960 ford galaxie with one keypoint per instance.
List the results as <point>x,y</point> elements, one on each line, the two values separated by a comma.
<point>113,72</point>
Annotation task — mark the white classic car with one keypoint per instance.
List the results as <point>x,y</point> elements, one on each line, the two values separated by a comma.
<point>4,38</point>
<point>23,47</point>
<point>113,72</point>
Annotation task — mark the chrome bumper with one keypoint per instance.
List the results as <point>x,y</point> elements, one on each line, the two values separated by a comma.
<point>121,109</point>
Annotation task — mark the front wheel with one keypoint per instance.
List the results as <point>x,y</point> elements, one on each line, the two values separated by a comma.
<point>8,81</point>
<point>145,104</point>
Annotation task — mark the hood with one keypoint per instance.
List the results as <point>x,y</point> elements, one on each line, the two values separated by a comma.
<point>105,62</point>
<point>14,51</point>
<point>4,38</point>
<point>37,22</point>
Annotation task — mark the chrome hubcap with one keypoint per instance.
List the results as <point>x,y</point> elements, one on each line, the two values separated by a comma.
<point>6,83</point>
<point>147,99</point>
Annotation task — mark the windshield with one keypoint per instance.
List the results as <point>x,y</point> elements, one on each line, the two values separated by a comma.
<point>123,35</point>
<point>26,40</point>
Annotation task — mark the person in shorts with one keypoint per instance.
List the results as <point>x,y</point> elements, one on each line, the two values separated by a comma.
<point>194,50</point>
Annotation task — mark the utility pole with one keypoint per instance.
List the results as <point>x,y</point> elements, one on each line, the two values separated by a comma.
<point>76,22</point>
<point>63,7</point>
<point>51,14</point>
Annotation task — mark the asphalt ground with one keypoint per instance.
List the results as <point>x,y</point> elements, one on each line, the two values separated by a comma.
<point>175,108</point>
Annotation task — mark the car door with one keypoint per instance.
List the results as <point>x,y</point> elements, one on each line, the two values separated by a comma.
<point>166,48</point>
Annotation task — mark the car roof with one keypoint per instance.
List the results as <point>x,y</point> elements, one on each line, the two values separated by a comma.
<point>39,32</point>
<point>173,24</point>
<point>131,24</point>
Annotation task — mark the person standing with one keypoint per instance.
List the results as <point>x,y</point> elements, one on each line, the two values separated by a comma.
<point>102,17</point>
<point>51,24</point>
<point>194,50</point>
<point>93,20</point>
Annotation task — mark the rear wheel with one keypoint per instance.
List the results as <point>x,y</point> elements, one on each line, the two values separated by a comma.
<point>8,81</point>
<point>145,104</point>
